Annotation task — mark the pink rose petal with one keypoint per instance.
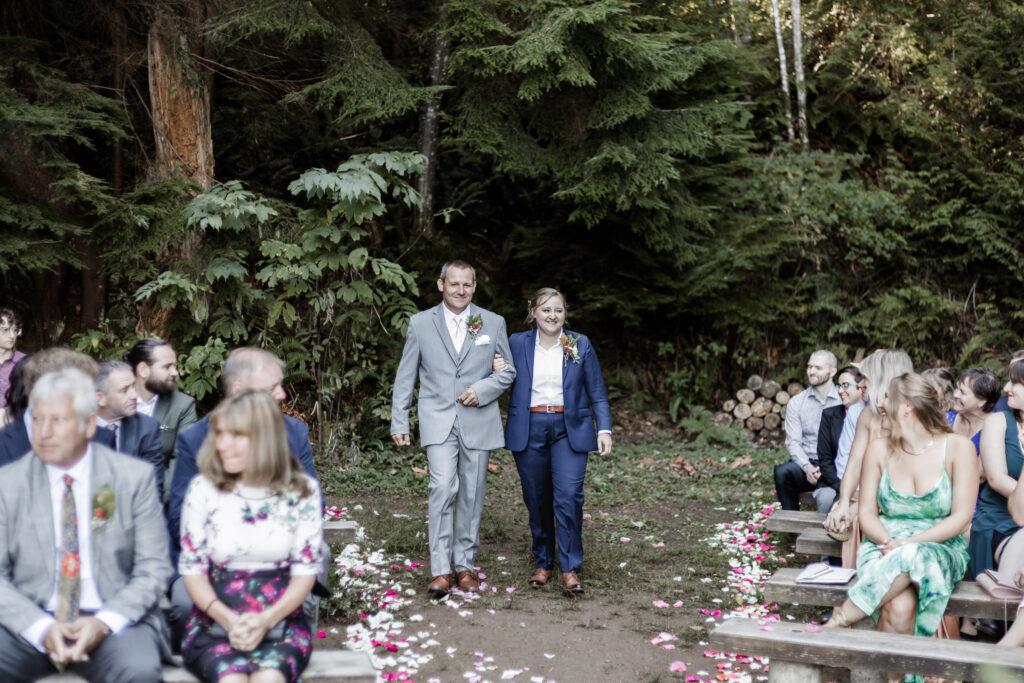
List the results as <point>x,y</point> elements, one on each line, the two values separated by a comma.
<point>812,628</point>
<point>624,539</point>
<point>677,666</point>
<point>321,634</point>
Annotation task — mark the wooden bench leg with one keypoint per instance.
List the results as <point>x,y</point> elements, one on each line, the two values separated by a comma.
<point>793,672</point>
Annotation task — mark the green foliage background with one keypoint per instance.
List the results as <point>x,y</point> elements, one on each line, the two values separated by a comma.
<point>630,153</point>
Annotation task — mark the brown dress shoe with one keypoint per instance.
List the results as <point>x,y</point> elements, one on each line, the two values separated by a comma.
<point>540,577</point>
<point>440,585</point>
<point>468,582</point>
<point>570,583</point>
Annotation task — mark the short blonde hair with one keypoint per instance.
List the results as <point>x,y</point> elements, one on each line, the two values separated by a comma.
<point>881,367</point>
<point>271,463</point>
<point>539,298</point>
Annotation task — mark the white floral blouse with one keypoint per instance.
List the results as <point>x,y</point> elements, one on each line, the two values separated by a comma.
<point>250,528</point>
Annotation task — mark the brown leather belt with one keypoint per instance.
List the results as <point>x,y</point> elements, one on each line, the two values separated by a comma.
<point>547,409</point>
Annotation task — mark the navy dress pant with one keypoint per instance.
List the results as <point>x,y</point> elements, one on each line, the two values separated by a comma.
<point>552,475</point>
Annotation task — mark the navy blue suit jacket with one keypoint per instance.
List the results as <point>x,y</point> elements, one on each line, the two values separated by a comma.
<point>14,441</point>
<point>185,468</point>
<point>140,438</point>
<point>583,395</point>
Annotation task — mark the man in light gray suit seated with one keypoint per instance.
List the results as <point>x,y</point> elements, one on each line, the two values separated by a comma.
<point>451,348</point>
<point>83,549</point>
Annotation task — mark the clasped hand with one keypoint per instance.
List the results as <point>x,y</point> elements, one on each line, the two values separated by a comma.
<point>247,631</point>
<point>72,642</point>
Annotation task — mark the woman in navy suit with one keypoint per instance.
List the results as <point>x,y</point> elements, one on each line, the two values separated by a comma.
<point>557,395</point>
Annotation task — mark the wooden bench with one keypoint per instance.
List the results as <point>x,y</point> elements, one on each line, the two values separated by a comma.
<point>794,521</point>
<point>339,532</point>
<point>968,598</point>
<point>816,541</point>
<point>798,656</point>
<point>326,666</point>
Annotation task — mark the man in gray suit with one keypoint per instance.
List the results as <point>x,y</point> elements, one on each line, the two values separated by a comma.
<point>451,348</point>
<point>83,550</point>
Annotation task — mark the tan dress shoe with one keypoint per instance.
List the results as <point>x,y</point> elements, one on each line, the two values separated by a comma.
<point>540,577</point>
<point>440,585</point>
<point>570,583</point>
<point>468,582</point>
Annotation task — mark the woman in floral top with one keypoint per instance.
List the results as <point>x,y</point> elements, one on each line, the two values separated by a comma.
<point>251,537</point>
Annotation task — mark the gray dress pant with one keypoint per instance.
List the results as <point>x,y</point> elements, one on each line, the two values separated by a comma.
<point>458,479</point>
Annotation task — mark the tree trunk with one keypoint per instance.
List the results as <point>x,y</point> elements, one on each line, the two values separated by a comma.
<point>430,125</point>
<point>798,72</point>
<point>180,102</point>
<point>741,22</point>
<point>783,70</point>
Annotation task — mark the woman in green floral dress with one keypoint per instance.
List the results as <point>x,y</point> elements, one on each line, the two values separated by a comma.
<point>918,490</point>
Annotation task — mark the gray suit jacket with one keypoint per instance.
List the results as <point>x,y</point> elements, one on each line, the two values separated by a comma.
<point>129,553</point>
<point>176,412</point>
<point>444,375</point>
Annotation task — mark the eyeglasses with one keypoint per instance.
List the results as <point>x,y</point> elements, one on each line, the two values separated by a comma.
<point>848,385</point>
<point>7,329</point>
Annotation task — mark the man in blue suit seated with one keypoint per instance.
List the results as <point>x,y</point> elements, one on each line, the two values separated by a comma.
<point>245,368</point>
<point>134,434</point>
<point>16,437</point>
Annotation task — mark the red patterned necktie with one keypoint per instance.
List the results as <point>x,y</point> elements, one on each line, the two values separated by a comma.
<point>69,582</point>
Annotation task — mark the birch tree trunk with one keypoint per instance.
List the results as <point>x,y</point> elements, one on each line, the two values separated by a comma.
<point>180,100</point>
<point>798,72</point>
<point>430,125</point>
<point>783,70</point>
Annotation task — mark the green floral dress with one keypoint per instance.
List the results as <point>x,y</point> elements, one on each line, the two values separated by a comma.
<point>935,568</point>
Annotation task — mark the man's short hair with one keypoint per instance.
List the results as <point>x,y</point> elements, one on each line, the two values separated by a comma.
<point>458,264</point>
<point>10,316</point>
<point>243,362</point>
<point>107,367</point>
<point>142,352</point>
<point>69,382</point>
<point>829,357</point>
<point>57,358</point>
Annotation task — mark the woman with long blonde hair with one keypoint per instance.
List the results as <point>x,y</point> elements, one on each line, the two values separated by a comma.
<point>918,489</point>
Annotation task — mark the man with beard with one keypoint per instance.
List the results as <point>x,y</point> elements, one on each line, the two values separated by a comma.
<point>803,418</point>
<point>155,365</point>
<point>134,434</point>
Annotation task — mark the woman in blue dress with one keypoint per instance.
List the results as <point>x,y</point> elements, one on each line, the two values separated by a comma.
<point>1001,460</point>
<point>918,489</point>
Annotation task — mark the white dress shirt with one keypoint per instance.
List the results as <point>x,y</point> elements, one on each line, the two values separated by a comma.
<point>456,324</point>
<point>547,375</point>
<point>147,408</point>
<point>89,600</point>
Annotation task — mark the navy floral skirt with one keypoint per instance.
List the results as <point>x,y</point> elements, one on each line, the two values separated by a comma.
<point>209,656</point>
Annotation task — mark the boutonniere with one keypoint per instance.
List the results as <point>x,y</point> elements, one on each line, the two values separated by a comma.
<point>103,505</point>
<point>474,324</point>
<point>569,345</point>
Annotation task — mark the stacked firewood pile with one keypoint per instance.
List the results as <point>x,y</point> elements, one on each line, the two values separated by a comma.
<point>759,408</point>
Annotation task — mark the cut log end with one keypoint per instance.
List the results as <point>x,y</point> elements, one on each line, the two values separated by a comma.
<point>772,421</point>
<point>754,382</point>
<point>782,398</point>
<point>729,405</point>
<point>741,411</point>
<point>745,396</point>
<point>755,424</point>
<point>723,419</point>
<point>795,388</point>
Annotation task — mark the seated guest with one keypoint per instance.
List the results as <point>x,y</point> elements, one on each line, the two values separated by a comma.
<point>976,394</point>
<point>835,436</point>
<point>941,380</point>
<point>245,368</point>
<point>16,437</point>
<point>878,369</point>
<point>917,495</point>
<point>81,591</point>
<point>1001,459</point>
<point>10,331</point>
<point>155,365</point>
<point>134,434</point>
<point>17,397</point>
<point>251,538</point>
<point>803,417</point>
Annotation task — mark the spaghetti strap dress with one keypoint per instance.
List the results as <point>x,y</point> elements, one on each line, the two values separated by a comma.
<point>934,568</point>
<point>992,516</point>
